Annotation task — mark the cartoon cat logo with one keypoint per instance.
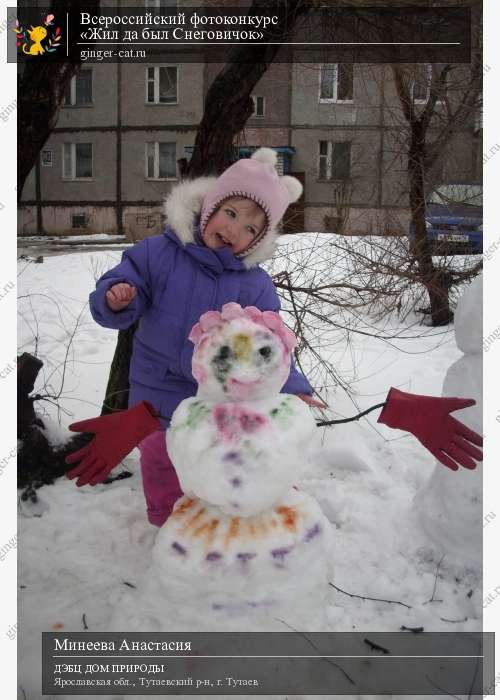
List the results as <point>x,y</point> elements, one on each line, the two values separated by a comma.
<point>36,35</point>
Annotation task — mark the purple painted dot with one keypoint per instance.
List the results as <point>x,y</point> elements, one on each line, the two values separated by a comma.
<point>236,506</point>
<point>214,556</point>
<point>234,457</point>
<point>281,552</point>
<point>178,548</point>
<point>312,532</point>
<point>217,606</point>
<point>235,482</point>
<point>245,556</point>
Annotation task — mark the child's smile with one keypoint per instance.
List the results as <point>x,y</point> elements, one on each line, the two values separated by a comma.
<point>235,224</point>
<point>223,240</point>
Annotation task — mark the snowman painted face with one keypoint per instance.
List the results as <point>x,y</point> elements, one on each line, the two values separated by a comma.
<point>240,360</point>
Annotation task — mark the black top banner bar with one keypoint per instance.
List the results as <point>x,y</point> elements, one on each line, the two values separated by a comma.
<point>216,34</point>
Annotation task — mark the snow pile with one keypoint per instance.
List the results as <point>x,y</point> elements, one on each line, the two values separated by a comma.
<point>333,287</point>
<point>450,504</point>
<point>78,561</point>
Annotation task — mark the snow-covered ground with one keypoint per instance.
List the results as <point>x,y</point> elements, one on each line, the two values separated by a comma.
<point>83,238</point>
<point>81,549</point>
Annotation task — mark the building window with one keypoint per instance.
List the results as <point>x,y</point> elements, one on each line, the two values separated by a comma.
<point>78,221</point>
<point>77,161</point>
<point>336,82</point>
<point>79,89</point>
<point>421,84</point>
<point>160,160</point>
<point>280,164</point>
<point>259,106</point>
<point>47,159</point>
<point>161,84</point>
<point>160,4</point>
<point>334,160</point>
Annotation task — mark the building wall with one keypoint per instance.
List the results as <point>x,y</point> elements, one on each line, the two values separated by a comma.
<point>273,129</point>
<point>358,222</point>
<point>357,122</point>
<point>102,185</point>
<point>142,221</point>
<point>103,111</point>
<point>188,110</point>
<point>26,220</point>
<point>262,136</point>
<point>458,80</point>
<point>308,111</point>
<point>275,86</point>
<point>364,159</point>
<point>120,122</point>
<point>58,219</point>
<point>378,131</point>
<point>136,186</point>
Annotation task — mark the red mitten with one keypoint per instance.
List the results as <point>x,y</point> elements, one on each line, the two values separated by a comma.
<point>116,435</point>
<point>428,418</point>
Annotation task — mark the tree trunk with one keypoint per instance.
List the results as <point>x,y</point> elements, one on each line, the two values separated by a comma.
<point>229,95</point>
<point>40,92</point>
<point>41,88</point>
<point>116,397</point>
<point>227,107</point>
<point>437,282</point>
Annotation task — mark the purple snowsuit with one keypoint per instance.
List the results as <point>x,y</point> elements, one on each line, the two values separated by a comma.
<point>175,283</point>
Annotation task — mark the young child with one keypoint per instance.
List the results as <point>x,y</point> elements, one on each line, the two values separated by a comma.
<point>218,231</point>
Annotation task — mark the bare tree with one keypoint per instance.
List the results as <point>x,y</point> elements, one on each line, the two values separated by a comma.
<point>40,90</point>
<point>428,132</point>
<point>426,127</point>
<point>334,288</point>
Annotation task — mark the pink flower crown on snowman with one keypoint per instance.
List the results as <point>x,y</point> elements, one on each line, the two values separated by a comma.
<point>231,311</point>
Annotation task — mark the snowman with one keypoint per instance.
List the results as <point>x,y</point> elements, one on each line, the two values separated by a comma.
<point>243,543</point>
<point>449,505</point>
<point>238,448</point>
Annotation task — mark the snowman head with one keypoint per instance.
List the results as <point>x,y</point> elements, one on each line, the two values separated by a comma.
<point>241,354</point>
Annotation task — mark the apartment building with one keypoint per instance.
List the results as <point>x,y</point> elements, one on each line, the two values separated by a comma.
<point>114,153</point>
<point>350,138</point>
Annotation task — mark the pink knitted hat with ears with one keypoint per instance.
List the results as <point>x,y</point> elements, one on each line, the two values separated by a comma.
<point>231,311</point>
<point>255,178</point>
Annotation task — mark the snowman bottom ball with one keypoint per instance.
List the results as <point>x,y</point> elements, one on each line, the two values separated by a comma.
<point>231,566</point>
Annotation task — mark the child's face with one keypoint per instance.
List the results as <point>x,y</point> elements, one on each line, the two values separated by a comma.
<point>236,223</point>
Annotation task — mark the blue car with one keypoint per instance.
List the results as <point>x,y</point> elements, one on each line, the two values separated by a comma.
<point>454,219</point>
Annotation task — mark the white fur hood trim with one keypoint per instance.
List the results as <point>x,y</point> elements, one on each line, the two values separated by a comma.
<point>184,203</point>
